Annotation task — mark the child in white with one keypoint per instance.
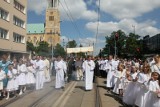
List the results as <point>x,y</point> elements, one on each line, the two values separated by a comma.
<point>30,78</point>
<point>119,74</point>
<point>2,76</point>
<point>153,98</point>
<point>141,86</point>
<point>129,95</point>
<point>22,70</point>
<point>12,83</point>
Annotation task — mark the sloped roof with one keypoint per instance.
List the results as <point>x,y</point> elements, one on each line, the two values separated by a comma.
<point>35,28</point>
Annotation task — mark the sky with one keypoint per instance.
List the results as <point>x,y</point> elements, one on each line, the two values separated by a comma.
<point>114,15</point>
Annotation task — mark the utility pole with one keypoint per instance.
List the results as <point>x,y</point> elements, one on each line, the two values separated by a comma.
<point>93,46</point>
<point>52,47</point>
<point>134,29</point>
<point>63,43</point>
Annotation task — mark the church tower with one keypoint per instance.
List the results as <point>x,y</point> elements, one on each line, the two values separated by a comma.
<point>52,24</point>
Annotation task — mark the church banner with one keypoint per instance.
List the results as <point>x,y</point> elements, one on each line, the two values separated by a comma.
<point>80,49</point>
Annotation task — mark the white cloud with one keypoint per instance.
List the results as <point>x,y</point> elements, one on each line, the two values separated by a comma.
<point>38,6</point>
<point>78,9</point>
<point>142,28</point>
<point>128,8</point>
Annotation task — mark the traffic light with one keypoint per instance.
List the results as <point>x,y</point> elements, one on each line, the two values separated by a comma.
<point>116,36</point>
<point>138,49</point>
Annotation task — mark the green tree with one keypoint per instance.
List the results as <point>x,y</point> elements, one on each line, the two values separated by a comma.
<point>43,48</point>
<point>133,45</point>
<point>126,45</point>
<point>31,47</point>
<point>59,50</point>
<point>71,44</point>
<point>118,38</point>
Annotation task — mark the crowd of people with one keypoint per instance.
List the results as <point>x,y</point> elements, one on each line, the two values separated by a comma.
<point>136,81</point>
<point>20,74</point>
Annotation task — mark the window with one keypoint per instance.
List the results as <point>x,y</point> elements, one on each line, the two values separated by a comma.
<point>51,18</point>
<point>3,14</point>
<point>50,40</point>
<point>41,38</point>
<point>18,22</point>
<point>35,40</point>
<point>18,38</point>
<point>18,6</point>
<point>3,33</point>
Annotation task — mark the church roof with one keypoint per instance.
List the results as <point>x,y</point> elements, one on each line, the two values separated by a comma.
<point>35,28</point>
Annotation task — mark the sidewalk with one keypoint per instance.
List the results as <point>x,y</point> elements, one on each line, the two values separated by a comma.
<point>107,99</point>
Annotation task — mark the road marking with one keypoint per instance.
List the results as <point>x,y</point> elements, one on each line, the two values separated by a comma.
<point>68,95</point>
<point>63,98</point>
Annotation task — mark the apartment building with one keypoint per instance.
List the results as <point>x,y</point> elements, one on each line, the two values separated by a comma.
<point>13,17</point>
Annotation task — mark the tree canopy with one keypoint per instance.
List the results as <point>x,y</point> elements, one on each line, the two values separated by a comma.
<point>59,50</point>
<point>126,45</point>
<point>71,44</point>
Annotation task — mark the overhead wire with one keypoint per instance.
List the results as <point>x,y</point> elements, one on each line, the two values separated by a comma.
<point>97,30</point>
<point>71,19</point>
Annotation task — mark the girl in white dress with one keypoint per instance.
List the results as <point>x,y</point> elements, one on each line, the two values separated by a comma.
<point>12,85</point>
<point>30,78</point>
<point>22,70</point>
<point>129,95</point>
<point>153,97</point>
<point>141,86</point>
<point>156,67</point>
<point>127,79</point>
<point>119,74</point>
<point>2,76</point>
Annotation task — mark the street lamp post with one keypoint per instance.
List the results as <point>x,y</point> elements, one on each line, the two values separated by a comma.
<point>115,47</point>
<point>115,44</point>
<point>52,47</point>
<point>134,29</point>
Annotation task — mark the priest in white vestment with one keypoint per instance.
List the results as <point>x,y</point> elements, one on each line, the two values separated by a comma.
<point>88,67</point>
<point>61,68</point>
<point>46,70</point>
<point>111,69</point>
<point>40,77</point>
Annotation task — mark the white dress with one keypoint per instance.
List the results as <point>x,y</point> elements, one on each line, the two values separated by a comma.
<point>142,90</point>
<point>119,83</point>
<point>129,94</point>
<point>88,67</point>
<point>15,73</point>
<point>11,81</point>
<point>151,98</point>
<point>30,78</point>
<point>22,70</point>
<point>2,76</point>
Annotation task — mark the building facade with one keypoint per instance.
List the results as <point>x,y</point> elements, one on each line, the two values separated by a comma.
<point>13,17</point>
<point>48,31</point>
<point>152,44</point>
